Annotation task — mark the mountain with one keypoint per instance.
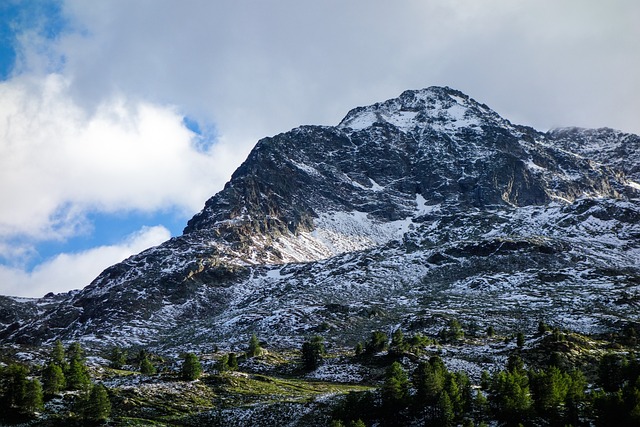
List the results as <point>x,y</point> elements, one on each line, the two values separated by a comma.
<point>409,212</point>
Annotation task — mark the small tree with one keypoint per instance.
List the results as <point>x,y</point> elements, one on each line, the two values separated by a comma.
<point>75,352</point>
<point>53,380</point>
<point>146,367</point>
<point>33,399</point>
<point>490,331</point>
<point>77,376</point>
<point>96,406</point>
<point>520,340</point>
<point>429,380</point>
<point>542,327</point>
<point>14,387</point>
<point>359,348</point>
<point>191,368</point>
<point>453,332</point>
<point>254,347</point>
<point>233,361</point>
<point>397,341</point>
<point>312,353</point>
<point>377,343</point>
<point>395,390</point>
<point>445,411</point>
<point>223,363</point>
<point>118,358</point>
<point>58,355</point>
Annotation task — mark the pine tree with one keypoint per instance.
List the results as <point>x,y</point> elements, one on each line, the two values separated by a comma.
<point>191,368</point>
<point>53,381</point>
<point>58,355</point>
<point>146,367</point>
<point>233,362</point>
<point>75,352</point>
<point>453,333</point>
<point>312,353</point>
<point>542,327</point>
<point>77,375</point>
<point>33,399</point>
<point>96,406</point>
<point>377,343</point>
<point>395,390</point>
<point>254,347</point>
<point>510,397</point>
<point>520,340</point>
<point>223,363</point>
<point>445,411</point>
<point>397,341</point>
<point>359,348</point>
<point>118,358</point>
<point>15,387</point>
<point>429,381</point>
<point>485,380</point>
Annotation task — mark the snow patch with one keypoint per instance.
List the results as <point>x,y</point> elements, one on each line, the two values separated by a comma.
<point>422,207</point>
<point>633,185</point>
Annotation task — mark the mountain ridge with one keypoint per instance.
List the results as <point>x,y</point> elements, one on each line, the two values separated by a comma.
<point>427,195</point>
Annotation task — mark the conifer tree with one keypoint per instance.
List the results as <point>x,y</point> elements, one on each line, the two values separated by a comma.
<point>75,352</point>
<point>77,376</point>
<point>191,368</point>
<point>254,347</point>
<point>95,407</point>
<point>223,363</point>
<point>520,340</point>
<point>58,355</point>
<point>233,361</point>
<point>33,399</point>
<point>453,333</point>
<point>542,327</point>
<point>510,397</point>
<point>146,367</point>
<point>53,381</point>
<point>313,353</point>
<point>445,411</point>
<point>397,340</point>
<point>359,348</point>
<point>395,390</point>
<point>377,343</point>
<point>429,381</point>
<point>14,387</point>
<point>118,358</point>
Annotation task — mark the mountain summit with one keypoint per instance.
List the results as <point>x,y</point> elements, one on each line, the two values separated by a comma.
<point>408,212</point>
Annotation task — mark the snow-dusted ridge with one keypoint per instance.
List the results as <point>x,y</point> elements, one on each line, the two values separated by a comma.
<point>409,212</point>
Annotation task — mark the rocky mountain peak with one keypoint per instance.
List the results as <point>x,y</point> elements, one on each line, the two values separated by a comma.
<point>427,195</point>
<point>439,108</point>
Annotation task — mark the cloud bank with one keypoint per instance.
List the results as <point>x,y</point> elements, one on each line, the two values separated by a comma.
<point>69,271</point>
<point>93,118</point>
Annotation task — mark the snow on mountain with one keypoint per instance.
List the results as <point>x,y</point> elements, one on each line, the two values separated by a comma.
<point>409,212</point>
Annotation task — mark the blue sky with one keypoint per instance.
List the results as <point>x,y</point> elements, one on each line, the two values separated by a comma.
<point>119,118</point>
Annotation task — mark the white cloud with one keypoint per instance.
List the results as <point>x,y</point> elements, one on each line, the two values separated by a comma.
<point>58,161</point>
<point>92,120</point>
<point>258,68</point>
<point>69,271</point>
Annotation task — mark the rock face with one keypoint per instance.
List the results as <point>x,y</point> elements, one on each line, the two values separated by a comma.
<point>410,211</point>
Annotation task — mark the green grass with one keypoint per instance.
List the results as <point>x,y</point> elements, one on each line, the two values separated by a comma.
<point>236,389</point>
